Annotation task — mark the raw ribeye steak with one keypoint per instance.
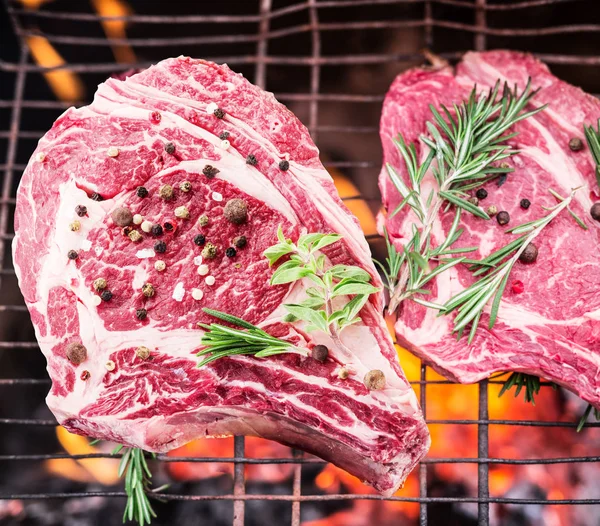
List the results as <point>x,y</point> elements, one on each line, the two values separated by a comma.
<point>549,319</point>
<point>158,200</point>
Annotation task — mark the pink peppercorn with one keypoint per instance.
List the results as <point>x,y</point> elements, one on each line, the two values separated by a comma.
<point>518,287</point>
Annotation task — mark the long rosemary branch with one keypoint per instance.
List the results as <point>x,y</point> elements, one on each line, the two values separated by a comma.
<point>466,147</point>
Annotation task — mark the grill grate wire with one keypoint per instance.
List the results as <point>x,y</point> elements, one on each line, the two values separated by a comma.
<point>261,60</point>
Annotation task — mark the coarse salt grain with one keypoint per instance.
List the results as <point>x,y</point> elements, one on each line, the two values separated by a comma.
<point>225,144</point>
<point>198,260</point>
<point>147,226</point>
<point>40,157</point>
<point>203,270</point>
<point>86,244</point>
<point>210,109</point>
<point>112,151</point>
<point>160,265</point>
<point>138,219</point>
<point>217,196</point>
<point>96,300</point>
<point>210,280</point>
<point>145,253</point>
<point>197,294</point>
<point>110,365</point>
<point>178,292</point>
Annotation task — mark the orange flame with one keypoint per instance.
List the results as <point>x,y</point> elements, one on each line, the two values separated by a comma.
<point>65,84</point>
<point>116,28</point>
<point>103,470</point>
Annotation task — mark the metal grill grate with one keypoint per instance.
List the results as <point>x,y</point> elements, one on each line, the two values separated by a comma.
<point>448,27</point>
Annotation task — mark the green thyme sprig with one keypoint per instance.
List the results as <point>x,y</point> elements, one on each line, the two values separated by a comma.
<point>220,341</point>
<point>137,483</point>
<point>471,302</point>
<point>593,139</point>
<point>467,147</point>
<point>320,309</point>
<point>586,415</point>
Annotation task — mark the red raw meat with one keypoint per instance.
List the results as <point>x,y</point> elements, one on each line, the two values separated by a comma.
<point>549,318</point>
<point>121,142</point>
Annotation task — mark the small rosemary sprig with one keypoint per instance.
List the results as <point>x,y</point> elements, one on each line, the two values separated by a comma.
<point>593,139</point>
<point>320,309</point>
<point>220,341</point>
<point>137,482</point>
<point>466,146</point>
<point>470,303</point>
<point>585,416</point>
<point>521,380</point>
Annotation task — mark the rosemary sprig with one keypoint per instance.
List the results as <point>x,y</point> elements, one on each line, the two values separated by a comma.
<point>466,145</point>
<point>471,302</point>
<point>593,139</point>
<point>320,309</point>
<point>585,416</point>
<point>521,380</point>
<point>220,341</point>
<point>137,483</point>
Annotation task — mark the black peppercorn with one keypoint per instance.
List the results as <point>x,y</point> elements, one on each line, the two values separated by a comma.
<point>576,144</point>
<point>481,193</point>
<point>251,160</point>
<point>224,135</point>
<point>168,226</point>
<point>106,295</point>
<point>230,252</point>
<point>142,192</point>
<point>169,148</point>
<point>122,216</point>
<point>199,240</point>
<point>81,210</point>
<point>320,353</point>
<point>501,179</point>
<point>72,254</point>
<point>525,204</point>
<point>219,113</point>
<point>529,254</point>
<point>503,218</point>
<point>156,230</point>
<point>96,197</point>
<point>210,171</point>
<point>284,165</point>
<point>160,247</point>
<point>595,211</point>
<point>141,314</point>
<point>240,241</point>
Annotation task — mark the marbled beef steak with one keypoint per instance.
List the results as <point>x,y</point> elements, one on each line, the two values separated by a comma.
<point>549,318</point>
<point>130,218</point>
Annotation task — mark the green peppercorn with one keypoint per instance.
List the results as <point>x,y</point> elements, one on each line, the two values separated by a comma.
<point>209,251</point>
<point>148,290</point>
<point>374,379</point>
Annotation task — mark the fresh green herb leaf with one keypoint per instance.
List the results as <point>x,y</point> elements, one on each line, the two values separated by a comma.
<point>584,418</point>
<point>137,484</point>
<point>220,341</point>
<point>593,139</point>
<point>520,381</point>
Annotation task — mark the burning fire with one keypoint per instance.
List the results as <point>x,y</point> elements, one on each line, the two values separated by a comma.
<point>67,85</point>
<point>116,28</point>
